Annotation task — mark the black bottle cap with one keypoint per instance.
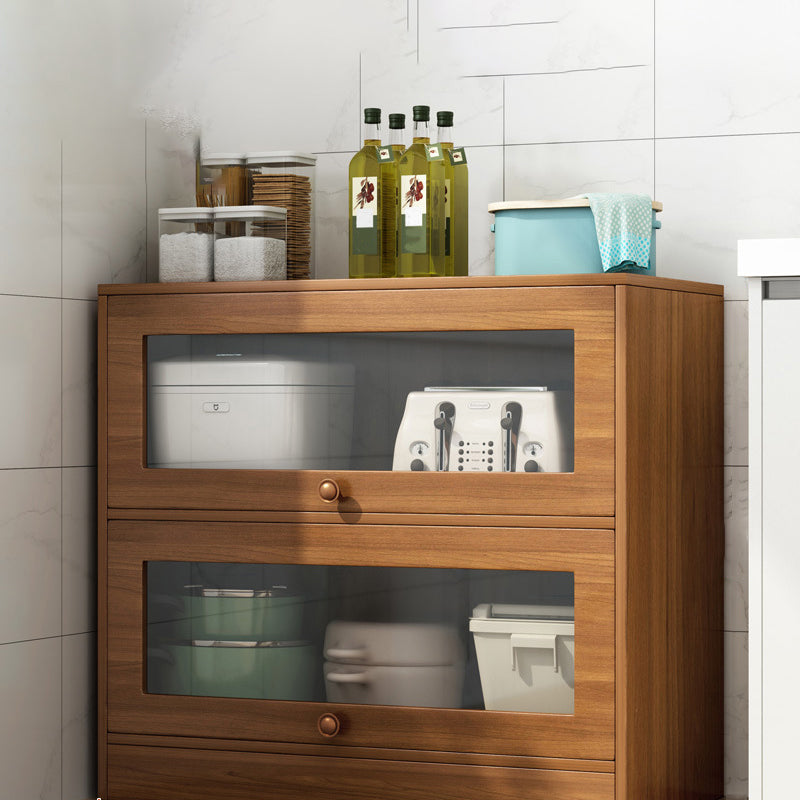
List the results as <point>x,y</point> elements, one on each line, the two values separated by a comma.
<point>372,116</point>
<point>397,121</point>
<point>422,113</point>
<point>444,119</point>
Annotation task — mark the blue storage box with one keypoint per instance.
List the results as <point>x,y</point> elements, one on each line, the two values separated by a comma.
<point>551,237</point>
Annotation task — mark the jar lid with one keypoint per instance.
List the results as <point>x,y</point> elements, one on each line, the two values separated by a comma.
<point>281,158</point>
<point>223,159</point>
<point>249,212</point>
<point>192,214</point>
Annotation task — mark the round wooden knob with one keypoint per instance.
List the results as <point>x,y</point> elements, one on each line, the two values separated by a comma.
<point>329,490</point>
<point>329,725</point>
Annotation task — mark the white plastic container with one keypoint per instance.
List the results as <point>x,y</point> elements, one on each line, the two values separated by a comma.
<point>248,411</point>
<point>185,244</point>
<point>285,178</point>
<point>222,180</point>
<point>526,657</point>
<point>250,243</point>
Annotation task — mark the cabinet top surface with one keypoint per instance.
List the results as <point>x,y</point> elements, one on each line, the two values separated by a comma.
<point>374,284</point>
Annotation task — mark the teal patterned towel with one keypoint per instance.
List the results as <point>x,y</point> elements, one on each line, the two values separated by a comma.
<point>624,224</point>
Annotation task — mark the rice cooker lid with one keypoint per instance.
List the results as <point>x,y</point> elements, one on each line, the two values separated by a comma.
<point>240,368</point>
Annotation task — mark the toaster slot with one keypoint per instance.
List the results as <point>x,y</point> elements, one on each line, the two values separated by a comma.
<point>510,421</point>
<point>443,422</point>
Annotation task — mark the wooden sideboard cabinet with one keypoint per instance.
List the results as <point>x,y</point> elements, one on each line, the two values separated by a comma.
<point>448,539</point>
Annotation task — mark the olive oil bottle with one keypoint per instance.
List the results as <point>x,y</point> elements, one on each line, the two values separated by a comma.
<point>390,157</point>
<point>456,204</point>
<point>421,201</point>
<point>367,198</point>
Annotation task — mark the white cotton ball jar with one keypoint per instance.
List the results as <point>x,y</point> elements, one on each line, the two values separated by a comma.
<point>250,243</point>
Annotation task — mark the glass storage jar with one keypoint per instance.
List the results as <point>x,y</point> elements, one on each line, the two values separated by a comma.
<point>286,179</point>
<point>250,243</point>
<point>185,244</point>
<point>222,180</point>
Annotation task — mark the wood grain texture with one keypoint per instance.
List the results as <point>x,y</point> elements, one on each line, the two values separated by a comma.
<point>329,748</point>
<point>669,546</point>
<point>588,733</point>
<point>155,773</point>
<point>381,284</point>
<point>355,518</point>
<point>588,490</point>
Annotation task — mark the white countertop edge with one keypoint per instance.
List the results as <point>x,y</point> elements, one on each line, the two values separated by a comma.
<point>768,257</point>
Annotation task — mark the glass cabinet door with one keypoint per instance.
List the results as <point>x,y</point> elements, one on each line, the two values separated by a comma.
<point>277,625</point>
<point>458,401</point>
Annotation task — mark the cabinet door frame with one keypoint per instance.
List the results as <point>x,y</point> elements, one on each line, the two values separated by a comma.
<point>588,311</point>
<point>588,554</point>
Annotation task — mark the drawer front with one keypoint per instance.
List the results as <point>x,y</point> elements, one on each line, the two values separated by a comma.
<point>333,389</point>
<point>163,773</point>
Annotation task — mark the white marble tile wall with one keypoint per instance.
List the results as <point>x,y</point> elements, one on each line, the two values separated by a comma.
<point>693,104</point>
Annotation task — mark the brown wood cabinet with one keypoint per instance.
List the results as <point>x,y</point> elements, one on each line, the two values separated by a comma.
<point>630,523</point>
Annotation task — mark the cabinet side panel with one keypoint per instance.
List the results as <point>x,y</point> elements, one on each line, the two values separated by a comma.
<point>670,545</point>
<point>102,516</point>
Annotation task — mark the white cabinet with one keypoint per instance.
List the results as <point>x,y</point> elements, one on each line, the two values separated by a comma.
<point>773,271</point>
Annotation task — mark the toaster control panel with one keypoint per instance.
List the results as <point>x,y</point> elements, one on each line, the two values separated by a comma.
<point>474,456</point>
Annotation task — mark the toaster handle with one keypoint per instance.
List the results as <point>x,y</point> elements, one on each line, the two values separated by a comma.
<point>443,422</point>
<point>510,423</point>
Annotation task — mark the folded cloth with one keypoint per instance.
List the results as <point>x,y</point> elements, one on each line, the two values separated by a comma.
<point>624,224</point>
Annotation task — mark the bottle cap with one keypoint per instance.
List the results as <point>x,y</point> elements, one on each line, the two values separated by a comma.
<point>397,121</point>
<point>422,113</point>
<point>444,119</point>
<point>372,116</point>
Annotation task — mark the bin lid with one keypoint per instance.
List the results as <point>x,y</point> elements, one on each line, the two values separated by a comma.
<point>504,618</point>
<point>190,214</point>
<point>222,159</point>
<point>570,202</point>
<point>514,611</point>
<point>281,158</point>
<point>249,212</point>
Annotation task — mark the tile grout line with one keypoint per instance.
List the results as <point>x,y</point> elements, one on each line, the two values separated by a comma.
<point>61,485</point>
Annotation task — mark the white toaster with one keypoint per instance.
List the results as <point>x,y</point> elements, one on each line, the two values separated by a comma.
<point>486,429</point>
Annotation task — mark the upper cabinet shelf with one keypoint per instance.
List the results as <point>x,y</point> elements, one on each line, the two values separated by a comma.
<point>484,396</point>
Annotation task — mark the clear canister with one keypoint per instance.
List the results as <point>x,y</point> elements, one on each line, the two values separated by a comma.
<point>250,243</point>
<point>286,179</point>
<point>185,244</point>
<point>223,180</point>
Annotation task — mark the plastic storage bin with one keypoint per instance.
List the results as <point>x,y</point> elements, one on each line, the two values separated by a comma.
<point>286,178</point>
<point>551,238</point>
<point>526,657</point>
<point>185,244</point>
<point>250,243</point>
<point>222,180</point>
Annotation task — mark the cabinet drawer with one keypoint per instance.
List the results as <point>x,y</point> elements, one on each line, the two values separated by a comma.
<point>249,401</point>
<point>162,773</point>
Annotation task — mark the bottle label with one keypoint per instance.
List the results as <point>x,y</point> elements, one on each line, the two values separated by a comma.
<point>433,152</point>
<point>457,156</point>
<point>363,219</point>
<point>385,154</point>
<point>413,211</point>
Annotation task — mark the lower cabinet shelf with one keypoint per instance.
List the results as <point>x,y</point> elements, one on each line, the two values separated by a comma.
<point>166,773</point>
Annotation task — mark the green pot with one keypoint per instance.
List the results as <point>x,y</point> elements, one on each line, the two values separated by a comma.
<point>245,614</point>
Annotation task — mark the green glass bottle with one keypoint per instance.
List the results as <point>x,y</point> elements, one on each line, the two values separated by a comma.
<point>367,197</point>
<point>390,179</point>
<point>421,216</point>
<point>456,178</point>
